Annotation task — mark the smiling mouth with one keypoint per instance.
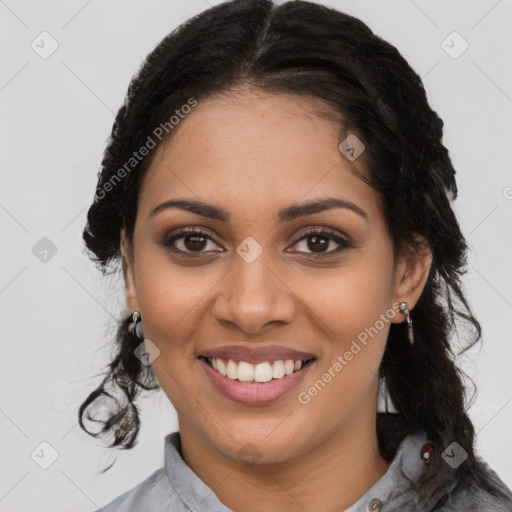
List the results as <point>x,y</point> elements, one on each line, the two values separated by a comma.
<point>265,371</point>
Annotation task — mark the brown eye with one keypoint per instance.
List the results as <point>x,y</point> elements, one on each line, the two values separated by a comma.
<point>316,243</point>
<point>190,242</point>
<point>194,242</point>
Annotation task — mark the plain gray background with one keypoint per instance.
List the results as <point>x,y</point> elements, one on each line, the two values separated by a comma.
<point>56,315</point>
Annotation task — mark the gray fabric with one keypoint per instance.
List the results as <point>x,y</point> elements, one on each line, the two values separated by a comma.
<point>176,488</point>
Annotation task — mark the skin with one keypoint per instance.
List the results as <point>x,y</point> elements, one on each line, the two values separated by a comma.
<point>254,153</point>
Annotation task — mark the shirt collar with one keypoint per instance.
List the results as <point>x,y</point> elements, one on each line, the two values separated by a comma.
<point>400,478</point>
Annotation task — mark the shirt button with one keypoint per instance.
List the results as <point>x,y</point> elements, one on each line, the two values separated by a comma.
<point>374,505</point>
<point>427,453</point>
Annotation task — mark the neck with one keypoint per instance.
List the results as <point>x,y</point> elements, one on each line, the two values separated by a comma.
<point>335,473</point>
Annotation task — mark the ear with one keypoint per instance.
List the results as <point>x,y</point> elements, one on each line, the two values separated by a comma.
<point>411,274</point>
<point>132,301</point>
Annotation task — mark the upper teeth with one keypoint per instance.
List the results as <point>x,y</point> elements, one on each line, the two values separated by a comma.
<point>261,372</point>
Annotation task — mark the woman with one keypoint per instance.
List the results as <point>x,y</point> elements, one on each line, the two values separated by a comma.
<point>276,189</point>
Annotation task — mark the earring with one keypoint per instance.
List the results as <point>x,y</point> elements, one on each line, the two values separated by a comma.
<point>137,325</point>
<point>402,307</point>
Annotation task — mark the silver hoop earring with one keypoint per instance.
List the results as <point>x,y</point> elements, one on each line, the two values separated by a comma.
<point>402,307</point>
<point>137,325</point>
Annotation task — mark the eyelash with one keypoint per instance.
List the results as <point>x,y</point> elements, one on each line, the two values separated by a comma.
<point>324,232</point>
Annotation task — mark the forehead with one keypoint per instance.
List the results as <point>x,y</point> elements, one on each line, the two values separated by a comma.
<point>252,151</point>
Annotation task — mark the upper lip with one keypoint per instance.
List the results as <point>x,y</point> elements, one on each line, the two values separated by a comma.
<point>256,355</point>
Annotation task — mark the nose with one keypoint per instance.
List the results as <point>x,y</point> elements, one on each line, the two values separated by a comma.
<point>252,296</point>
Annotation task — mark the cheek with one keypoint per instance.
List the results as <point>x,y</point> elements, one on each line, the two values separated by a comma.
<point>168,292</point>
<point>352,309</point>
<point>172,307</point>
<point>347,301</point>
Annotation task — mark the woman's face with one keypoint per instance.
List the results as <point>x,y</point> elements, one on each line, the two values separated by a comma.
<point>254,286</point>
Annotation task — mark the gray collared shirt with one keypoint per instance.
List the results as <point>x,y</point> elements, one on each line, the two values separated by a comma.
<point>176,488</point>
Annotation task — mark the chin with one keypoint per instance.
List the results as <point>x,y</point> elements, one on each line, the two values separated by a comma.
<point>263,447</point>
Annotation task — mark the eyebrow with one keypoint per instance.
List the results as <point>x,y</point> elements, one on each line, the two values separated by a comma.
<point>284,215</point>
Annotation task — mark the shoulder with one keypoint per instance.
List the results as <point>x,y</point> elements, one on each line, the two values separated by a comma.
<point>419,480</point>
<point>154,493</point>
<point>172,488</point>
<point>474,499</point>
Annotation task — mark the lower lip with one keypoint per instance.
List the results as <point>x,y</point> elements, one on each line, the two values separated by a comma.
<point>254,393</point>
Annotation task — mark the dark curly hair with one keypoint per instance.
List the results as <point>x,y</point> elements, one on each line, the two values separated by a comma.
<point>310,50</point>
